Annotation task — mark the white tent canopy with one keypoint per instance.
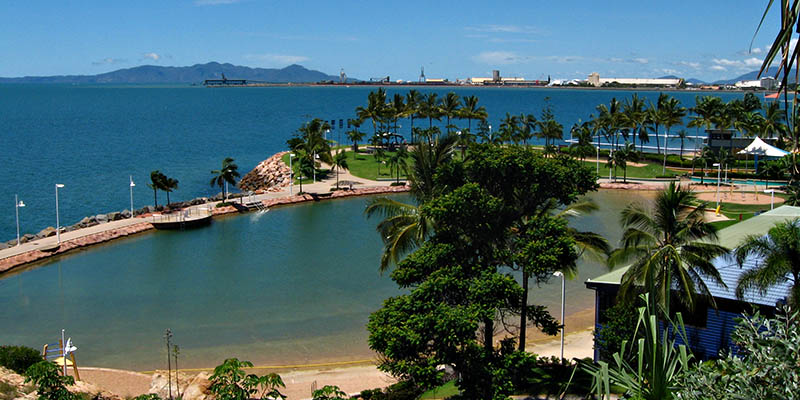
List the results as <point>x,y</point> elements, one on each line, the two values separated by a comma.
<point>759,148</point>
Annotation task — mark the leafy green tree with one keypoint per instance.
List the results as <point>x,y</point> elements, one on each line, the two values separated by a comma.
<point>375,109</point>
<point>19,358</point>
<point>777,258</point>
<point>303,167</point>
<point>329,392</point>
<point>508,128</point>
<point>50,384</point>
<point>793,194</point>
<point>771,170</point>
<point>339,163</point>
<point>230,382</point>
<point>157,182</point>
<point>227,173</point>
<point>465,138</point>
<point>705,158</point>
<point>682,135</point>
<point>634,114</point>
<point>765,367</point>
<point>670,113</point>
<point>487,135</point>
<point>431,108</point>
<point>413,100</point>
<point>620,326</point>
<point>670,247</point>
<point>622,156</point>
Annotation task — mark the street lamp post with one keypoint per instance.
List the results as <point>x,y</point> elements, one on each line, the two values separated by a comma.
<point>17,205</point>
<point>58,225</point>
<point>291,174</point>
<point>772,198</point>
<point>131,187</point>
<point>561,274</point>
<point>719,171</point>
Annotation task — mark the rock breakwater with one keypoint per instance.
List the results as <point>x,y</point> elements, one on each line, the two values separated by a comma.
<point>268,176</point>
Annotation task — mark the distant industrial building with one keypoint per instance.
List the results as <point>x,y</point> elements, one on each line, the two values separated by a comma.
<point>596,80</point>
<point>496,79</point>
<point>767,83</point>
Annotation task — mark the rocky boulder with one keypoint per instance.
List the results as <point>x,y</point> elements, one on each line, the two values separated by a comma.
<point>270,173</point>
<point>190,386</point>
<point>47,232</point>
<point>101,218</point>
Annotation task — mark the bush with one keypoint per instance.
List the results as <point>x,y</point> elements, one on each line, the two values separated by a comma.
<point>620,325</point>
<point>18,358</point>
<point>49,383</point>
<point>402,390</point>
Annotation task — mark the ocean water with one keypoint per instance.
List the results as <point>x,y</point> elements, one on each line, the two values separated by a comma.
<point>293,286</point>
<point>92,138</point>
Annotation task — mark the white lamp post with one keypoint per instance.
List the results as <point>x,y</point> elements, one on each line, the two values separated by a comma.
<point>58,225</point>
<point>131,186</point>
<point>17,205</point>
<point>772,198</point>
<point>291,174</point>
<point>719,170</point>
<point>561,274</point>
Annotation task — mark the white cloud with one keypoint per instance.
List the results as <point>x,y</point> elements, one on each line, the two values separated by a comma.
<point>640,60</point>
<point>109,61</point>
<point>691,64</point>
<point>151,56</point>
<point>499,57</point>
<point>670,71</point>
<point>755,50</point>
<point>503,28</point>
<point>726,62</point>
<point>718,68</point>
<point>615,59</point>
<point>214,2</point>
<point>753,62</point>
<point>563,59</point>
<point>282,59</point>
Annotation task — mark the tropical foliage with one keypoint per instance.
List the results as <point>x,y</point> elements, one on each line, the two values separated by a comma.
<point>230,382</point>
<point>227,173</point>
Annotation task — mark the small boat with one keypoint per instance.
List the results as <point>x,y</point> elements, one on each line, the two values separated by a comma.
<point>771,96</point>
<point>180,221</point>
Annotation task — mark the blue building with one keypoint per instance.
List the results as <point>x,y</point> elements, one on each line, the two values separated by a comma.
<point>708,329</point>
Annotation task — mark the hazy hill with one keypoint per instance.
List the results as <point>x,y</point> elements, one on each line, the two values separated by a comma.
<point>193,74</point>
<point>750,76</point>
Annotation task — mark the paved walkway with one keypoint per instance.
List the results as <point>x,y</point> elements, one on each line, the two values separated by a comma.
<point>322,186</point>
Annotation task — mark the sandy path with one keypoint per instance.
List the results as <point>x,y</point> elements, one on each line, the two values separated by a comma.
<point>740,197</point>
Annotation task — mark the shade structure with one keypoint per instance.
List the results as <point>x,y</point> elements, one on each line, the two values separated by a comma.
<point>758,148</point>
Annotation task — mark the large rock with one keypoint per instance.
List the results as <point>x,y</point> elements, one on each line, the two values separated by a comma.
<point>101,218</point>
<point>113,216</point>
<point>47,232</point>
<point>26,238</point>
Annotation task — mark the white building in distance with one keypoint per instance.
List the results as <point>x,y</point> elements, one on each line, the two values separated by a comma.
<point>596,80</point>
<point>767,82</point>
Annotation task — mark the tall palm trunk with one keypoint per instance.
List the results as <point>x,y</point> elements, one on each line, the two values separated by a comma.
<point>523,312</point>
<point>658,146</point>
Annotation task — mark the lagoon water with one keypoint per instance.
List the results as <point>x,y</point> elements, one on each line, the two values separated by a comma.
<point>292,286</point>
<point>92,138</point>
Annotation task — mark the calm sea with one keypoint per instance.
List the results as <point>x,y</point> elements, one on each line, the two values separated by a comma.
<point>92,138</point>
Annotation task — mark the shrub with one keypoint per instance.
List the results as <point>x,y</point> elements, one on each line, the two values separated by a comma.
<point>620,326</point>
<point>149,396</point>
<point>230,382</point>
<point>18,358</point>
<point>765,366</point>
<point>50,385</point>
<point>403,390</point>
<point>328,392</point>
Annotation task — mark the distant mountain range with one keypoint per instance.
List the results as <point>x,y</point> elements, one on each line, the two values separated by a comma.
<point>750,76</point>
<point>195,74</point>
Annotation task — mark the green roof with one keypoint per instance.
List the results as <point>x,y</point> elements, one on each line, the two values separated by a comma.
<point>729,237</point>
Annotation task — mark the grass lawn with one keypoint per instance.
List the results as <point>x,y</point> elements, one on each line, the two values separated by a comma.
<point>448,389</point>
<point>651,170</point>
<point>365,166</point>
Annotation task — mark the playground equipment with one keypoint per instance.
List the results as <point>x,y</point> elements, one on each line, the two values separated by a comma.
<point>62,354</point>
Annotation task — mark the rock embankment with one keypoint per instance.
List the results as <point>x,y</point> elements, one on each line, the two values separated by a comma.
<point>14,387</point>
<point>268,176</point>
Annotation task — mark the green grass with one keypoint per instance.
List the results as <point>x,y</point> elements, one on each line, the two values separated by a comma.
<point>365,166</point>
<point>651,170</point>
<point>444,391</point>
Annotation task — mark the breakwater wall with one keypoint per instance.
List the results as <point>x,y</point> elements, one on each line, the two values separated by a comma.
<point>14,261</point>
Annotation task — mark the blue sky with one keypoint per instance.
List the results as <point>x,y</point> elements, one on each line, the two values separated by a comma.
<point>706,39</point>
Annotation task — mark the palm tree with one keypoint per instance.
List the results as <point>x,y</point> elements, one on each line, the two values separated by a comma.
<point>430,108</point>
<point>487,135</point>
<point>635,115</point>
<point>777,258</point>
<point>403,227</point>
<point>583,133</point>
<point>655,118</point>
<point>380,155</point>
<point>622,156</point>
<point>682,135</point>
<point>397,109</point>
<point>339,163</point>
<point>793,195</point>
<point>157,181</point>
<point>509,127</point>
<point>771,169</point>
<point>671,114</point>
<point>398,162</point>
<point>774,121</point>
<point>170,184</point>
<point>670,246</point>
<point>450,107</point>
<point>374,111</point>
<point>413,100</point>
<point>706,157</point>
<point>471,111</point>
<point>313,142</point>
<point>355,135</point>
<point>465,138</point>
<point>227,174</point>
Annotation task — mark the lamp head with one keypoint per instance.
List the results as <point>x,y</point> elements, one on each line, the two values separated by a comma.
<point>558,273</point>
<point>59,185</point>
<point>20,204</point>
